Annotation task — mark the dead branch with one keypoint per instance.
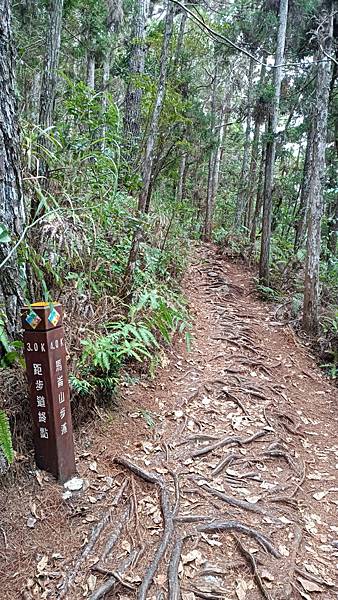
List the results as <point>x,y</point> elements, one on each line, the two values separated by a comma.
<point>260,538</point>
<point>96,532</point>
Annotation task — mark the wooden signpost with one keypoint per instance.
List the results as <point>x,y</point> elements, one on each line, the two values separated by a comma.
<point>45,356</point>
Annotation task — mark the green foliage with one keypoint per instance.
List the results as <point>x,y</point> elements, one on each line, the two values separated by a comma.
<point>267,293</point>
<point>136,337</point>
<point>6,438</point>
<point>11,350</point>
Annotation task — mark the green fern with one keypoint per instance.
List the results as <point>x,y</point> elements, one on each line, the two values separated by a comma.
<point>6,438</point>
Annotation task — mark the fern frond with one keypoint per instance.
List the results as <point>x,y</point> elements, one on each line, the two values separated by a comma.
<point>6,438</point>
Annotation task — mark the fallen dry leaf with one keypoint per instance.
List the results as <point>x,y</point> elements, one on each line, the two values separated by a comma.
<point>320,495</point>
<point>91,582</point>
<point>241,589</point>
<point>309,586</point>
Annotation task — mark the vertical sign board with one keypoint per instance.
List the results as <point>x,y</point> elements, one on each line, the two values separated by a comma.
<point>45,356</point>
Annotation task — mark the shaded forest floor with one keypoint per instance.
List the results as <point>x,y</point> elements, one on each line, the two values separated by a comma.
<point>240,438</point>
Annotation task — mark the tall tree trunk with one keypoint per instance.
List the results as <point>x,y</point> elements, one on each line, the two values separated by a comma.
<point>301,219</point>
<point>315,200</point>
<point>12,213</point>
<point>243,185</point>
<point>144,201</point>
<point>90,79</point>
<point>215,173</point>
<point>49,77</point>
<point>180,183</point>
<point>259,195</point>
<point>264,264</point>
<point>180,39</point>
<point>254,156</point>
<point>132,102</point>
<point>213,150</point>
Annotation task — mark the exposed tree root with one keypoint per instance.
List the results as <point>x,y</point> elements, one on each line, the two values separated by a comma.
<point>253,566</point>
<point>291,571</point>
<point>167,535</point>
<point>228,460</point>
<point>260,538</point>
<point>114,577</point>
<point>173,580</point>
<point>116,534</point>
<point>242,504</point>
<point>168,520</point>
<point>228,441</point>
<point>97,530</point>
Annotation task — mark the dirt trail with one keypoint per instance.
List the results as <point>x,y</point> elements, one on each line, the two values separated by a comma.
<point>241,460</point>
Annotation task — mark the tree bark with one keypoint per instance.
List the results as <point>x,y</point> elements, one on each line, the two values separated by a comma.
<point>12,213</point>
<point>315,195</point>
<point>264,274</point>
<point>143,201</point>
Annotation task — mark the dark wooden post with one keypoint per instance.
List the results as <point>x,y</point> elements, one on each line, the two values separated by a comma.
<point>45,356</point>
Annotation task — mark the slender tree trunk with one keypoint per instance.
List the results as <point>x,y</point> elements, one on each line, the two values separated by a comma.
<point>254,158</point>
<point>243,184</point>
<point>49,78</point>
<point>211,162</point>
<point>105,83</point>
<point>90,79</point>
<point>252,174</point>
<point>264,264</point>
<point>148,158</point>
<point>132,103</point>
<point>180,39</point>
<point>259,195</point>
<point>315,201</point>
<point>301,220</point>
<point>12,213</point>
<point>179,189</point>
<point>215,174</point>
